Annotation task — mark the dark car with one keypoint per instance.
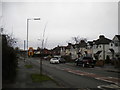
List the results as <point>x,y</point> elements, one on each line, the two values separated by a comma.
<point>62,60</point>
<point>85,61</point>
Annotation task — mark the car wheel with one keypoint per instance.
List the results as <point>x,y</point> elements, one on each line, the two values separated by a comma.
<point>83,65</point>
<point>92,66</point>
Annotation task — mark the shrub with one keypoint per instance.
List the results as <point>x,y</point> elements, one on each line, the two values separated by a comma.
<point>9,60</point>
<point>100,63</point>
<point>67,58</point>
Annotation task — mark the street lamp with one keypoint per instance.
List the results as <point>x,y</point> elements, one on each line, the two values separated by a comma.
<point>41,58</point>
<point>27,29</point>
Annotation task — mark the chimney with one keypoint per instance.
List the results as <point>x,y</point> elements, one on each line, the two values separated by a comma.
<point>101,36</point>
<point>69,44</point>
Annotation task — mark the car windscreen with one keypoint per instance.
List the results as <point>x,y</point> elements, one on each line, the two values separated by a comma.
<point>54,58</point>
<point>62,59</point>
<point>88,58</point>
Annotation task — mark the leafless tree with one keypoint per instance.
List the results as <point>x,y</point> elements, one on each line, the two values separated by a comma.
<point>38,48</point>
<point>11,40</point>
<point>78,39</point>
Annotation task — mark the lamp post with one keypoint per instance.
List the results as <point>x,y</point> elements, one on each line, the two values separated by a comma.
<point>28,28</point>
<point>41,52</point>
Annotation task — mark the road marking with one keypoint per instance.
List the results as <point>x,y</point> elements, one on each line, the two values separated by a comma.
<point>98,77</point>
<point>111,87</point>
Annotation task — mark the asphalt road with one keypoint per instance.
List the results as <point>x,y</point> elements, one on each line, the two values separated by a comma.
<point>71,76</point>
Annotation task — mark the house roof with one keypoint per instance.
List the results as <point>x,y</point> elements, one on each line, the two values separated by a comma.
<point>68,47</point>
<point>90,43</point>
<point>102,40</point>
<point>56,48</point>
<point>82,43</point>
<point>118,36</point>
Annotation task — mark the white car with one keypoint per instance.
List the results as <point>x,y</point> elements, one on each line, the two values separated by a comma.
<point>54,60</point>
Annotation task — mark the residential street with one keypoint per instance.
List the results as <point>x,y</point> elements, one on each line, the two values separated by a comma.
<point>70,76</point>
<point>60,44</point>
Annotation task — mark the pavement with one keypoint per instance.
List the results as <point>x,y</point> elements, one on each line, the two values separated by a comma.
<point>111,68</point>
<point>23,79</point>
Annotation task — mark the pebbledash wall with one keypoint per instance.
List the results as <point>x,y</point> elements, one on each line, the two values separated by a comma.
<point>103,50</point>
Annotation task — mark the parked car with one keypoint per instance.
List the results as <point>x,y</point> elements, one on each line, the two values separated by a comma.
<point>62,60</point>
<point>85,61</point>
<point>54,60</point>
<point>45,58</point>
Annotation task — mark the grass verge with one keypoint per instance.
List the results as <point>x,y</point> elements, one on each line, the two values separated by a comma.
<point>28,66</point>
<point>40,78</point>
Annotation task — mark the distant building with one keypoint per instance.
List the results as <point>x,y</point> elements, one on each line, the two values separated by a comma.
<point>56,50</point>
<point>74,50</point>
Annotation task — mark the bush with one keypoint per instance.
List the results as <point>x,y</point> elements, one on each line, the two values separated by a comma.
<point>9,61</point>
<point>117,63</point>
<point>67,58</point>
<point>99,63</point>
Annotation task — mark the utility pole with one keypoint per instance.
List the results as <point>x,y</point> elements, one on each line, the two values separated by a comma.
<point>27,35</point>
<point>24,45</point>
<point>24,50</point>
<point>45,42</point>
<point>42,51</point>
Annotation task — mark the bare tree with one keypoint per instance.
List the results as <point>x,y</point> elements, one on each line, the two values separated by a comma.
<point>78,39</point>
<point>11,40</point>
<point>38,48</point>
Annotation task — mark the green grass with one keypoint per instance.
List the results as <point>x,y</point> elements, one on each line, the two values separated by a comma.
<point>28,66</point>
<point>40,78</point>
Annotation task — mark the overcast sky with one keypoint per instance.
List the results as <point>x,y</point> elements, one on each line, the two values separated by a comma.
<point>63,20</point>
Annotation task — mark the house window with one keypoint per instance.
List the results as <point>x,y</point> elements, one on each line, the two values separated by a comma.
<point>116,44</point>
<point>97,46</point>
<point>111,44</point>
